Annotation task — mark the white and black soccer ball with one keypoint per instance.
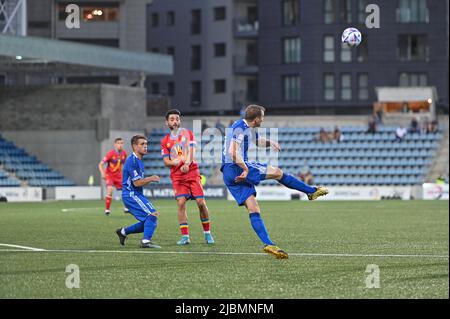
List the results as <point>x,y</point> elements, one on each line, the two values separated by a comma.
<point>351,37</point>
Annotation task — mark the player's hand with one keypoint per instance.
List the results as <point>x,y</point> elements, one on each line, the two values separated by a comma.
<point>154,178</point>
<point>242,177</point>
<point>185,168</point>
<point>275,146</point>
<point>104,176</point>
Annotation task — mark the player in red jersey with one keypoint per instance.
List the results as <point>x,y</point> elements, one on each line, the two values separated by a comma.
<point>112,175</point>
<point>177,150</point>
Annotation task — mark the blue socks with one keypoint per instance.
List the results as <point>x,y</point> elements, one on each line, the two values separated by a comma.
<point>134,229</point>
<point>260,228</point>
<point>149,227</point>
<point>294,183</point>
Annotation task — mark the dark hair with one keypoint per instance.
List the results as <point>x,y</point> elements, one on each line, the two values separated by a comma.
<point>253,111</point>
<point>118,139</point>
<point>136,138</point>
<point>172,111</point>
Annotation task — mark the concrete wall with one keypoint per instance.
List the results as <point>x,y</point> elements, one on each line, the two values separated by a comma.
<point>71,127</point>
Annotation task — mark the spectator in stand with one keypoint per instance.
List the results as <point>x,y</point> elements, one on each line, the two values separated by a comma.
<point>414,126</point>
<point>434,126</point>
<point>372,126</point>
<point>337,135</point>
<point>379,116</point>
<point>323,136</point>
<point>400,133</point>
<point>305,174</point>
<point>425,126</point>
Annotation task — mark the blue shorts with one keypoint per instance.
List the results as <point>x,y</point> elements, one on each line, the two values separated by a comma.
<point>138,205</point>
<point>241,191</point>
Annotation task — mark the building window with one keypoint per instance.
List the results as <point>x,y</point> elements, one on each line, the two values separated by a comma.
<point>170,18</point>
<point>346,86</point>
<point>412,11</point>
<point>155,88</point>
<point>290,12</point>
<point>362,14</point>
<point>413,48</point>
<point>362,50</point>
<point>196,57</point>
<point>220,86</point>
<point>155,20</point>
<point>104,12</point>
<point>328,52</point>
<point>291,50</point>
<point>328,11</point>
<point>171,89</point>
<point>363,86</point>
<point>220,49</point>
<point>328,87</point>
<point>346,53</point>
<point>196,21</point>
<point>220,13</point>
<point>291,88</point>
<point>196,93</point>
<point>412,79</point>
<point>171,51</point>
<point>345,11</point>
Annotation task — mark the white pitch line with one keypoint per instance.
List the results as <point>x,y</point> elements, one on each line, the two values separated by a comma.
<point>79,208</point>
<point>222,253</point>
<point>23,247</point>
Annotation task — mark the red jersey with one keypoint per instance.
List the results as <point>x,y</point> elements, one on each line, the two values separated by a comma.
<point>176,147</point>
<point>114,161</point>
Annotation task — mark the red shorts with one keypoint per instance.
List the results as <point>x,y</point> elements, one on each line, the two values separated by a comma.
<point>114,180</point>
<point>190,188</point>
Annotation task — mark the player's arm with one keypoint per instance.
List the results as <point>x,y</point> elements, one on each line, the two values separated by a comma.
<point>146,180</point>
<point>168,162</point>
<point>262,142</point>
<point>238,160</point>
<point>104,161</point>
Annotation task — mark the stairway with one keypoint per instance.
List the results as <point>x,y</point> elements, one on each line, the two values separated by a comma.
<point>441,160</point>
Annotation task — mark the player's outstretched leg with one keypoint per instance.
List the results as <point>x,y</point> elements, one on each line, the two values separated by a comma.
<point>150,224</point>
<point>204,217</point>
<point>294,183</point>
<point>260,229</point>
<point>122,233</point>
<point>182,219</point>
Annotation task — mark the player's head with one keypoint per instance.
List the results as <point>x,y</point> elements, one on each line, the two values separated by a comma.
<point>254,115</point>
<point>139,144</point>
<point>173,119</point>
<point>118,144</point>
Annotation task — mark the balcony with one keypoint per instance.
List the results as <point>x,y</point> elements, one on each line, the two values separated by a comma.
<point>245,28</point>
<point>245,64</point>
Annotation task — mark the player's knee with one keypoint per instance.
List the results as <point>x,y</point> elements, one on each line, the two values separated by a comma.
<point>278,173</point>
<point>156,214</point>
<point>201,203</point>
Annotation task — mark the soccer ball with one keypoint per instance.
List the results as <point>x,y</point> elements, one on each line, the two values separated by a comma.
<point>351,37</point>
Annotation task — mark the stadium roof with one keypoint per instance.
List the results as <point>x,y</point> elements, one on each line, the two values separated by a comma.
<point>17,52</point>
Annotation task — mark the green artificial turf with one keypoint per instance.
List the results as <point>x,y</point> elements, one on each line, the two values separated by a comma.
<point>327,241</point>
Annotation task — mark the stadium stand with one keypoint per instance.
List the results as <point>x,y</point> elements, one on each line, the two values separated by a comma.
<point>359,159</point>
<point>18,168</point>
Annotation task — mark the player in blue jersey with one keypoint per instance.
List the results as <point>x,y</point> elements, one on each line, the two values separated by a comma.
<point>133,197</point>
<point>241,176</point>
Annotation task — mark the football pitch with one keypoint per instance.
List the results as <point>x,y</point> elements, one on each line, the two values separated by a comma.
<point>403,245</point>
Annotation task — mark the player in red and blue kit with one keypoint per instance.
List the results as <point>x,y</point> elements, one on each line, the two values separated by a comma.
<point>133,196</point>
<point>112,175</point>
<point>241,176</point>
<point>177,150</point>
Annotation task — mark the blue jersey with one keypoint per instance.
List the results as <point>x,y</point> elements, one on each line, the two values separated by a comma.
<point>132,171</point>
<point>242,134</point>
